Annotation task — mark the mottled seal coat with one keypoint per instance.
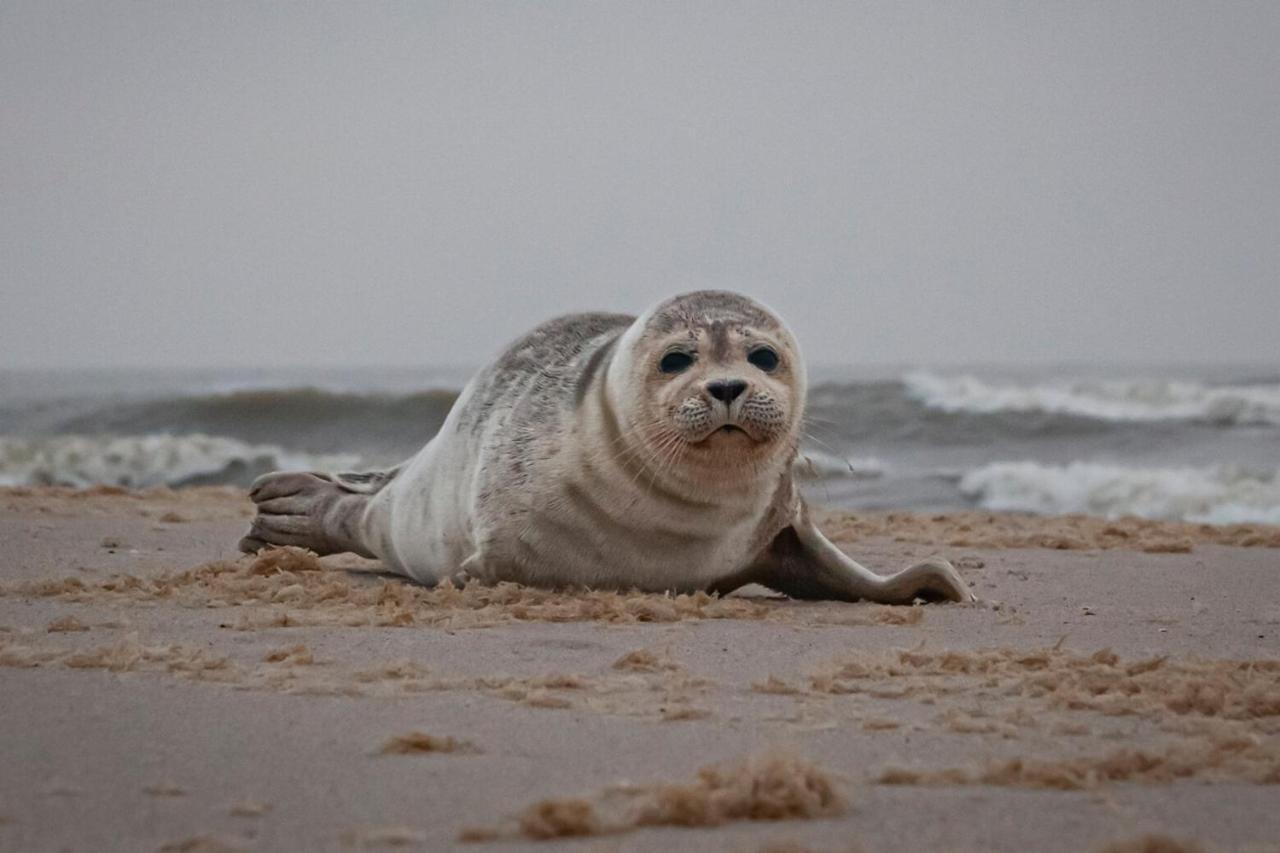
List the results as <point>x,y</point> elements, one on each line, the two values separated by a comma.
<point>605,451</point>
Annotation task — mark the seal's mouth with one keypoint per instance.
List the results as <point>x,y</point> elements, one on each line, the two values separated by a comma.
<point>726,432</point>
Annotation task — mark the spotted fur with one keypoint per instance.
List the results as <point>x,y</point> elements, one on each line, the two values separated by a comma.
<point>574,459</point>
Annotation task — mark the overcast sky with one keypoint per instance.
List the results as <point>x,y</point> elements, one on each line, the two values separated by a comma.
<point>222,183</point>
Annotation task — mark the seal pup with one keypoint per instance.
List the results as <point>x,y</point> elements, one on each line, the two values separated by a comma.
<point>606,451</point>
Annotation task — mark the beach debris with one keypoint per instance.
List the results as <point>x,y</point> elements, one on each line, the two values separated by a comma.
<point>541,698</point>
<point>66,624</point>
<point>401,670</point>
<point>383,836</point>
<point>645,660</point>
<point>768,787</point>
<point>1058,532</point>
<point>165,789</point>
<point>298,655</point>
<point>678,713</point>
<point>295,579</point>
<point>1241,758</point>
<point>421,743</point>
<point>248,808</point>
<point>776,686</point>
<point>1152,843</point>
<point>202,844</point>
<point>880,724</point>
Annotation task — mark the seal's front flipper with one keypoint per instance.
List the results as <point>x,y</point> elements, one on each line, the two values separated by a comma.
<point>320,512</point>
<point>802,563</point>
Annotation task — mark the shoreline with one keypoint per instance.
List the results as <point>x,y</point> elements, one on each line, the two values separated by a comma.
<point>950,528</point>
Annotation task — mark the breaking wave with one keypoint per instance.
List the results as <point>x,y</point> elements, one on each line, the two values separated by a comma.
<point>1220,494</point>
<point>389,425</point>
<point>1108,400</point>
<point>148,460</point>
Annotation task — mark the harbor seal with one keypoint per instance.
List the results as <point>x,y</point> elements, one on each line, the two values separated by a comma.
<point>606,451</point>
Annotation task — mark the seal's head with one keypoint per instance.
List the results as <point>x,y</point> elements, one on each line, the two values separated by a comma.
<point>712,380</point>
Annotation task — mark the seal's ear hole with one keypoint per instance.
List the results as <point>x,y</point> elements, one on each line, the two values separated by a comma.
<point>675,362</point>
<point>764,358</point>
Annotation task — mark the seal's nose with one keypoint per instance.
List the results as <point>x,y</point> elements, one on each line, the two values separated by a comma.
<point>726,390</point>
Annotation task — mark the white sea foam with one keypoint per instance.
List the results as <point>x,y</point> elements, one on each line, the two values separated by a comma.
<point>150,460</point>
<point>1112,399</point>
<point>1215,495</point>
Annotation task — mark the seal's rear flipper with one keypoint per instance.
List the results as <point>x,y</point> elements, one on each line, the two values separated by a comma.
<point>364,482</point>
<point>802,563</point>
<point>321,512</point>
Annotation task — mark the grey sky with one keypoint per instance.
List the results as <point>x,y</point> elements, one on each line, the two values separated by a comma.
<point>229,184</point>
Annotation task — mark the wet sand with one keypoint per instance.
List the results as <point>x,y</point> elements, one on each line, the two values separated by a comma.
<point>158,691</point>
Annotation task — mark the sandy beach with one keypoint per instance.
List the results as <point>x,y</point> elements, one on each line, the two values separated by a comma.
<point>1119,682</point>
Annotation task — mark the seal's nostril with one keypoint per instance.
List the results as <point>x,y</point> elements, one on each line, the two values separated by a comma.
<point>726,390</point>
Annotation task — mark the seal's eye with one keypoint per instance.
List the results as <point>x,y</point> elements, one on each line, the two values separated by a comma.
<point>674,362</point>
<point>764,358</point>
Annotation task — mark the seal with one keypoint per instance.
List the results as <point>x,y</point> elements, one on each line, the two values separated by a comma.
<point>606,451</point>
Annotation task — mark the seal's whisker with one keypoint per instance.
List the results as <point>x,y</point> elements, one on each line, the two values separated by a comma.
<point>672,450</point>
<point>667,440</point>
<point>828,427</point>
<point>630,453</point>
<point>649,454</point>
<point>847,461</point>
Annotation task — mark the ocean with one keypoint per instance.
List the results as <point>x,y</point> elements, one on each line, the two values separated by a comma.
<point>1198,444</point>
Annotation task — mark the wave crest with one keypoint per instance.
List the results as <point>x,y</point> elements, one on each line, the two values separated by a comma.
<point>1108,400</point>
<point>1214,495</point>
<point>148,460</point>
<point>384,427</point>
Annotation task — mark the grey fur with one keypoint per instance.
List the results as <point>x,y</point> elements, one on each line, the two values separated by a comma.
<point>573,460</point>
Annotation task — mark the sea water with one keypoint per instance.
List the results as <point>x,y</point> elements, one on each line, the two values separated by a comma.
<point>1198,444</point>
